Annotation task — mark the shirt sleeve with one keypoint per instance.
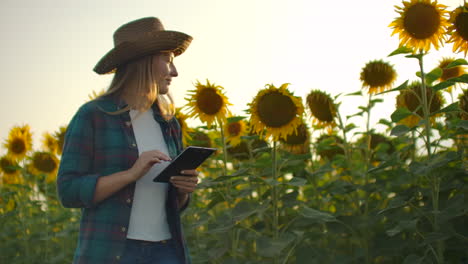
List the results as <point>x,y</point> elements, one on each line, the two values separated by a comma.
<point>75,182</point>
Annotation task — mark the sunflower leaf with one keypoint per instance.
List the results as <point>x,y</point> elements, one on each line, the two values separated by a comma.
<point>416,56</point>
<point>399,130</point>
<point>354,94</point>
<point>400,113</point>
<point>401,50</point>
<point>433,75</point>
<point>442,85</point>
<point>463,124</point>
<point>450,108</point>
<point>456,63</point>
<point>401,87</point>
<point>235,119</point>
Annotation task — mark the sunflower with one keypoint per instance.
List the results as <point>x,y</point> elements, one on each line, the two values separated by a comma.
<point>242,151</point>
<point>60,137</point>
<point>182,119</point>
<point>49,143</point>
<point>276,110</point>
<point>199,138</point>
<point>10,170</point>
<point>19,142</point>
<point>448,73</point>
<point>328,146</point>
<point>378,76</point>
<point>322,108</point>
<point>458,29</point>
<point>410,99</point>
<point>45,163</point>
<point>235,128</point>
<point>298,142</point>
<point>420,24</point>
<point>463,104</point>
<point>208,102</point>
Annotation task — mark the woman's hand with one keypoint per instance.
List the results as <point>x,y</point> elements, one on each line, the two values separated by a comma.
<point>144,163</point>
<point>185,184</point>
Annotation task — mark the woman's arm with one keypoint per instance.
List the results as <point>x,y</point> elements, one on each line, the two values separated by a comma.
<point>108,185</point>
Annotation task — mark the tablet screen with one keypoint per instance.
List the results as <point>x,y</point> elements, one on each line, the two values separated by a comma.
<point>189,159</point>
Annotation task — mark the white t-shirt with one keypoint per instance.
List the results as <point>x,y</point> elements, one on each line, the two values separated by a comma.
<point>148,215</point>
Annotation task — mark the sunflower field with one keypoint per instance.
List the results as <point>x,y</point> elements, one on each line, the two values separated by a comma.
<point>294,180</point>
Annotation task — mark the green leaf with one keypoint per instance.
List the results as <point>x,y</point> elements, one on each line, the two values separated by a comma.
<point>297,182</point>
<point>354,94</point>
<point>413,259</point>
<point>463,124</point>
<point>399,130</point>
<point>315,215</point>
<point>350,127</point>
<point>457,62</point>
<point>436,236</point>
<point>442,85</point>
<point>400,87</point>
<point>235,119</point>
<point>448,109</point>
<point>405,225</point>
<point>401,50</point>
<point>415,56</point>
<point>433,75</point>
<point>396,202</point>
<point>400,113</point>
<point>245,209</point>
<point>270,247</point>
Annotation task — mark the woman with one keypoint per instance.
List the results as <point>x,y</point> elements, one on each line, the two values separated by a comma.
<point>117,144</point>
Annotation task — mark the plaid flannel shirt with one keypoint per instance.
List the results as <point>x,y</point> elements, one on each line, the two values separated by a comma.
<point>99,144</point>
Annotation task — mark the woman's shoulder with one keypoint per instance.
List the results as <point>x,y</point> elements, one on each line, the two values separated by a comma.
<point>99,105</point>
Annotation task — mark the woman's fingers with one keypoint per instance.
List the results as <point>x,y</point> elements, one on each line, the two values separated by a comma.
<point>186,184</point>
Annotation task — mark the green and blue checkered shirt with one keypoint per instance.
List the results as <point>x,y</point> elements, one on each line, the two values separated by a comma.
<point>97,144</point>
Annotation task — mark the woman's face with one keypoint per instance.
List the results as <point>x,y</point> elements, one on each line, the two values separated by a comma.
<point>164,70</point>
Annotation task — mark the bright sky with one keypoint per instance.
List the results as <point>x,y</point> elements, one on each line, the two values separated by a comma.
<point>49,47</point>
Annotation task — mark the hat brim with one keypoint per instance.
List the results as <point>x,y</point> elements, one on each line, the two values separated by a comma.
<point>174,41</point>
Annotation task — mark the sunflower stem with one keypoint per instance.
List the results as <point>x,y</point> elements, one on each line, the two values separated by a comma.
<point>274,193</point>
<point>434,179</point>
<point>368,161</point>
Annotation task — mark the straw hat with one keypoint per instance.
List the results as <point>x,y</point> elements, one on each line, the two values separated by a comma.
<point>139,38</point>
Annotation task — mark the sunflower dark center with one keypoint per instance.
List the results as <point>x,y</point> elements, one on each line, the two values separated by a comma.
<point>461,24</point>
<point>7,166</point>
<point>209,101</point>
<point>276,110</point>
<point>234,128</point>
<point>320,108</point>
<point>378,74</point>
<point>44,162</point>
<point>297,138</point>
<point>422,20</point>
<point>18,146</point>
<point>451,73</point>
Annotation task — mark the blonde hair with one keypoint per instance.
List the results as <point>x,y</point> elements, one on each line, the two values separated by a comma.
<point>136,79</point>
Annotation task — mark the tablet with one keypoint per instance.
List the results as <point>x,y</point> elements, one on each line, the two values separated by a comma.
<point>189,159</point>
